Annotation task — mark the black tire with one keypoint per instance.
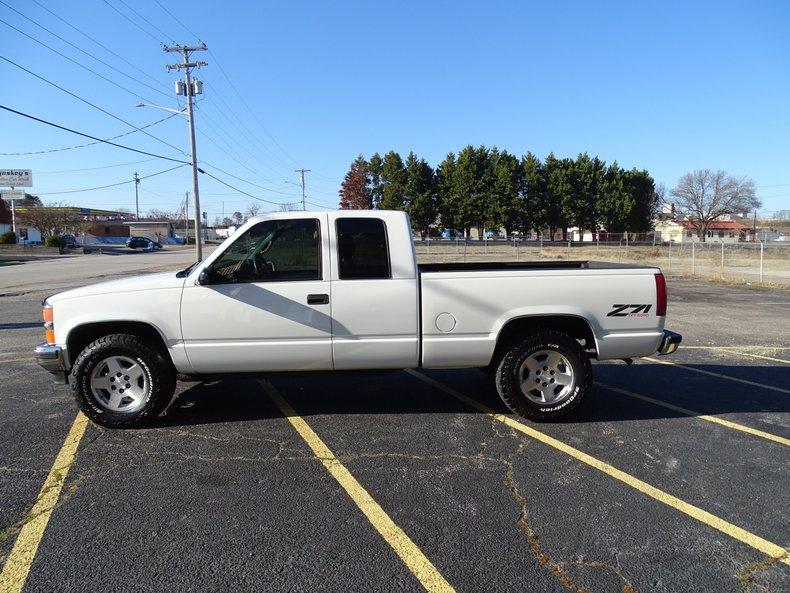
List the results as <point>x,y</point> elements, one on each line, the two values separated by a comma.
<point>156,366</point>
<point>508,381</point>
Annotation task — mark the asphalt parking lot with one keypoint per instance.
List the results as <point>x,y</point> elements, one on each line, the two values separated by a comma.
<point>673,477</point>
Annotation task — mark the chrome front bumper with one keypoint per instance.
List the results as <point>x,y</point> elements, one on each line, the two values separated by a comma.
<point>53,359</point>
<point>669,342</point>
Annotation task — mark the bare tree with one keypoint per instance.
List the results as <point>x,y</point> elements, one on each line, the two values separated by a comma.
<point>156,214</point>
<point>703,196</point>
<point>50,220</point>
<point>252,211</point>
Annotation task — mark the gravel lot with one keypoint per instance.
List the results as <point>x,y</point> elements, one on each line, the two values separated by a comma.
<point>231,490</point>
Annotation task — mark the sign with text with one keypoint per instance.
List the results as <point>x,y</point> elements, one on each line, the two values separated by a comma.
<point>12,194</point>
<point>16,178</point>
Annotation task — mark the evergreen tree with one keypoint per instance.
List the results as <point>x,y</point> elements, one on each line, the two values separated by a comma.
<point>393,179</point>
<point>472,184</point>
<point>420,194</point>
<point>507,208</point>
<point>445,189</point>
<point>536,207</point>
<point>374,176</point>
<point>558,189</point>
<point>354,191</point>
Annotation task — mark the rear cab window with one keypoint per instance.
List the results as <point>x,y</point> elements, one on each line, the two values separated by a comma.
<point>362,249</point>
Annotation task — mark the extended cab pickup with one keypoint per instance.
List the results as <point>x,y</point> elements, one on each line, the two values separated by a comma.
<point>329,291</point>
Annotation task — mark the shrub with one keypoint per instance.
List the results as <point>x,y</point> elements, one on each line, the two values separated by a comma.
<point>55,242</point>
<point>8,238</point>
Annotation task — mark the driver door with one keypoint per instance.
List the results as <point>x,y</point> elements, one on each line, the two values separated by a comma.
<point>266,307</point>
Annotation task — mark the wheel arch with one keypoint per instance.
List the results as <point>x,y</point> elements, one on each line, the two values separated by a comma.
<point>85,333</point>
<point>576,326</point>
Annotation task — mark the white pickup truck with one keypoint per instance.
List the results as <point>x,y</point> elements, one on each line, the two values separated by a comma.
<point>330,291</point>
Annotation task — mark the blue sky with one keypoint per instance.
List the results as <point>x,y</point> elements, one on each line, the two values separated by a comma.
<point>667,87</point>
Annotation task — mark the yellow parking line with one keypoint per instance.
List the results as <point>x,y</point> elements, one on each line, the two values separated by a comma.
<point>782,360</point>
<point>404,547</point>
<point>687,412</point>
<point>28,359</point>
<point>712,374</point>
<point>17,565</point>
<point>769,548</point>
<point>743,347</point>
<point>739,350</point>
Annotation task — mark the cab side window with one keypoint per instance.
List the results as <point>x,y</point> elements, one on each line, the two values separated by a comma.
<point>362,249</point>
<point>272,251</point>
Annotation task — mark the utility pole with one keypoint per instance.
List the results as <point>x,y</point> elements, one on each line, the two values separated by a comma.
<point>301,173</point>
<point>136,196</point>
<point>190,88</point>
<point>186,216</point>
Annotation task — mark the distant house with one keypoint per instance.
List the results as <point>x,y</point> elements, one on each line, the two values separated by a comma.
<point>719,231</point>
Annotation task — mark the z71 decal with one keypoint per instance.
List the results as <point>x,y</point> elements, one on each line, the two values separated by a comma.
<point>629,311</point>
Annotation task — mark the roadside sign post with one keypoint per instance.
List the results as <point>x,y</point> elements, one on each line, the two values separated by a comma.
<point>15,178</point>
<point>12,196</point>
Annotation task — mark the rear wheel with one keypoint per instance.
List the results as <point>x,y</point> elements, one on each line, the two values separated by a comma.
<point>120,380</point>
<point>544,376</point>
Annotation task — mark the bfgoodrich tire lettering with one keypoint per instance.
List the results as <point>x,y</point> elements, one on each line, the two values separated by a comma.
<point>155,374</point>
<point>554,356</point>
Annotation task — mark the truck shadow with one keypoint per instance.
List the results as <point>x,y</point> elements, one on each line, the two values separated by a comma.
<point>239,399</point>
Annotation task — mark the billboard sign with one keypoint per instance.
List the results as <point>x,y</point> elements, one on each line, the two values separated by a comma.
<point>12,194</point>
<point>16,178</point>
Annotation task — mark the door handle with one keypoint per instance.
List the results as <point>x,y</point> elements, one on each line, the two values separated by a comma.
<point>317,299</point>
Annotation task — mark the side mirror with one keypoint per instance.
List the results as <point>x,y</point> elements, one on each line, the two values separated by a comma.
<point>205,277</point>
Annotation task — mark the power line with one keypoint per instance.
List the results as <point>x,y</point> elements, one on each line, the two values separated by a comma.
<point>138,81</point>
<point>89,103</point>
<point>172,16</point>
<point>247,181</point>
<point>133,22</point>
<point>152,25</point>
<point>72,60</point>
<point>61,172</point>
<point>241,191</point>
<point>87,144</point>
<point>244,101</point>
<point>54,125</point>
<point>101,45</point>
<point>249,135</point>
<point>133,180</point>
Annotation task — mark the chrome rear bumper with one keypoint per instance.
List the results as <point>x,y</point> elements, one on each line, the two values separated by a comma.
<point>670,342</point>
<point>53,359</point>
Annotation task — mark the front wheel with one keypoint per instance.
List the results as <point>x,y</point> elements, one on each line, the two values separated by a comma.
<point>544,376</point>
<point>120,380</point>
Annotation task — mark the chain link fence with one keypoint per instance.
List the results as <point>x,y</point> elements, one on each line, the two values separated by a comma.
<point>766,263</point>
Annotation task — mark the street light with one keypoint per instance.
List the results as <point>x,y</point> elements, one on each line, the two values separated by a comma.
<point>179,112</point>
<point>188,114</point>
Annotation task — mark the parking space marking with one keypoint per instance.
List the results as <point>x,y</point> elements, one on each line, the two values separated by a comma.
<point>719,375</point>
<point>17,565</point>
<point>745,347</point>
<point>734,425</point>
<point>769,548</point>
<point>422,568</point>
<point>739,350</point>
<point>782,360</point>
<point>15,360</point>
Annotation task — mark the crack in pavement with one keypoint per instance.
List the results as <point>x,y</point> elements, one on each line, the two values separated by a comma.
<point>748,572</point>
<point>556,568</point>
